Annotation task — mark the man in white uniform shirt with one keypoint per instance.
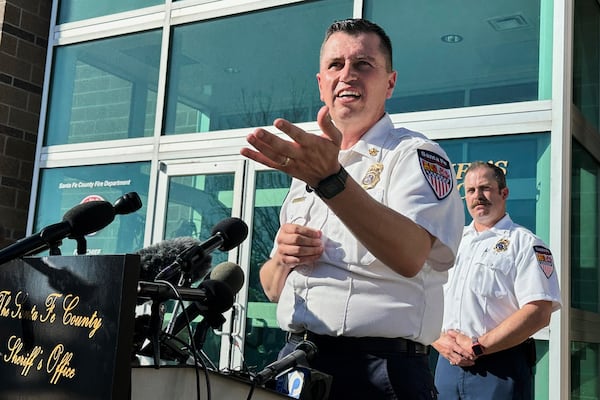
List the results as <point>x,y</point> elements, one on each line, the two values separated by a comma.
<point>502,289</point>
<point>368,231</point>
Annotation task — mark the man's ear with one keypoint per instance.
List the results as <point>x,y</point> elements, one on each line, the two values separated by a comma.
<point>319,84</point>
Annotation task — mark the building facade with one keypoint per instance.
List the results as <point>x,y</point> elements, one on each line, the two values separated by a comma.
<point>157,96</point>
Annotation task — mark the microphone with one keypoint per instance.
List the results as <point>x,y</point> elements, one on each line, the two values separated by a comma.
<point>81,220</point>
<point>304,352</point>
<point>154,258</point>
<point>230,273</point>
<point>209,296</point>
<point>227,273</point>
<point>225,235</point>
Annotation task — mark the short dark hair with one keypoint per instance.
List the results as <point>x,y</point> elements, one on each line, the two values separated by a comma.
<point>355,26</point>
<point>499,175</point>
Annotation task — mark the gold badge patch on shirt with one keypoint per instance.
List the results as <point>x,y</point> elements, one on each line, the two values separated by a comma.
<point>545,260</point>
<point>372,176</point>
<point>501,245</point>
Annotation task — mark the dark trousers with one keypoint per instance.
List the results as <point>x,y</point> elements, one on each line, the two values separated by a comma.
<point>362,374</point>
<point>504,375</point>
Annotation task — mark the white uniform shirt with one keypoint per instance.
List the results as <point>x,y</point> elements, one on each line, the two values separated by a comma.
<point>348,291</point>
<point>497,272</point>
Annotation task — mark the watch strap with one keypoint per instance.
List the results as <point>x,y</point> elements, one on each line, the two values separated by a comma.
<point>332,185</point>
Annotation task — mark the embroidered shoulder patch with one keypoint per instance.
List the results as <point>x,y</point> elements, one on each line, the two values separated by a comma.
<point>545,260</point>
<point>436,170</point>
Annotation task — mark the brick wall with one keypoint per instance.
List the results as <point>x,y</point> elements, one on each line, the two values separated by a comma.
<point>23,42</point>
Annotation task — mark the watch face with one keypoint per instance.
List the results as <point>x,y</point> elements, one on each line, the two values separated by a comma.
<point>477,349</point>
<point>332,185</point>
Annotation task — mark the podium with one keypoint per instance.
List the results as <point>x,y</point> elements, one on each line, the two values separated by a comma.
<point>179,382</point>
<point>66,332</point>
<point>66,327</point>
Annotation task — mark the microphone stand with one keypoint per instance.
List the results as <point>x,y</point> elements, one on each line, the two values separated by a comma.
<point>81,245</point>
<point>181,283</point>
<point>211,320</point>
<point>54,250</point>
<point>155,325</point>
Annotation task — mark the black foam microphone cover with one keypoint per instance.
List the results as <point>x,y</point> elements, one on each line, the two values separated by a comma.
<point>128,203</point>
<point>156,257</point>
<point>233,231</point>
<point>89,217</point>
<point>230,273</point>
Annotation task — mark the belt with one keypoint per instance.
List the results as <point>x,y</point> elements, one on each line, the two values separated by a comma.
<point>326,343</point>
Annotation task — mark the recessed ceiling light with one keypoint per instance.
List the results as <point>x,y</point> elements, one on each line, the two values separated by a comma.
<point>509,22</point>
<point>451,38</point>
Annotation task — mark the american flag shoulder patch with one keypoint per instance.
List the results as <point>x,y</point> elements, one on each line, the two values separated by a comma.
<point>545,260</point>
<point>436,170</point>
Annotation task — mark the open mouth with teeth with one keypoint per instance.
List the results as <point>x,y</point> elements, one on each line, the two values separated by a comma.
<point>348,94</point>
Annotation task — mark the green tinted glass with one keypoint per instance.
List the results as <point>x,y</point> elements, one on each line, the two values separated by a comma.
<point>64,188</point>
<point>104,90</point>
<point>263,336</point>
<point>586,60</point>
<point>525,159</point>
<point>461,53</point>
<point>585,238</point>
<point>75,10</point>
<point>240,71</point>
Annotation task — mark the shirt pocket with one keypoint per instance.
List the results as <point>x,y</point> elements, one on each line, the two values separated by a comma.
<point>301,211</point>
<point>492,275</point>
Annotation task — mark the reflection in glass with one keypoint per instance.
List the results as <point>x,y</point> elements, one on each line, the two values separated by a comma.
<point>104,90</point>
<point>195,204</point>
<point>263,336</point>
<point>502,58</point>
<point>585,238</point>
<point>75,10</point>
<point>585,369</point>
<point>586,60</point>
<point>63,188</point>
<point>239,71</point>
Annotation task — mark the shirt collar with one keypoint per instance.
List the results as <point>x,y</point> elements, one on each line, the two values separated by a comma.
<point>371,143</point>
<point>501,227</point>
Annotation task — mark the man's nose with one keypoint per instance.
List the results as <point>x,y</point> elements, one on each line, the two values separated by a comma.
<point>348,73</point>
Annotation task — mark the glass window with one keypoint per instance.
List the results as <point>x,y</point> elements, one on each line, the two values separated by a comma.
<point>195,204</point>
<point>264,338</point>
<point>465,53</point>
<point>75,10</point>
<point>63,188</point>
<point>525,159</point>
<point>104,89</point>
<point>585,369</point>
<point>586,60</point>
<point>240,71</point>
<point>585,239</point>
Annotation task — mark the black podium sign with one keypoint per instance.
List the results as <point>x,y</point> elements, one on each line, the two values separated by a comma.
<point>66,327</point>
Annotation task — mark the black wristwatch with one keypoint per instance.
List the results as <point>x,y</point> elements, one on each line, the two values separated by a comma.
<point>332,185</point>
<point>477,347</point>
